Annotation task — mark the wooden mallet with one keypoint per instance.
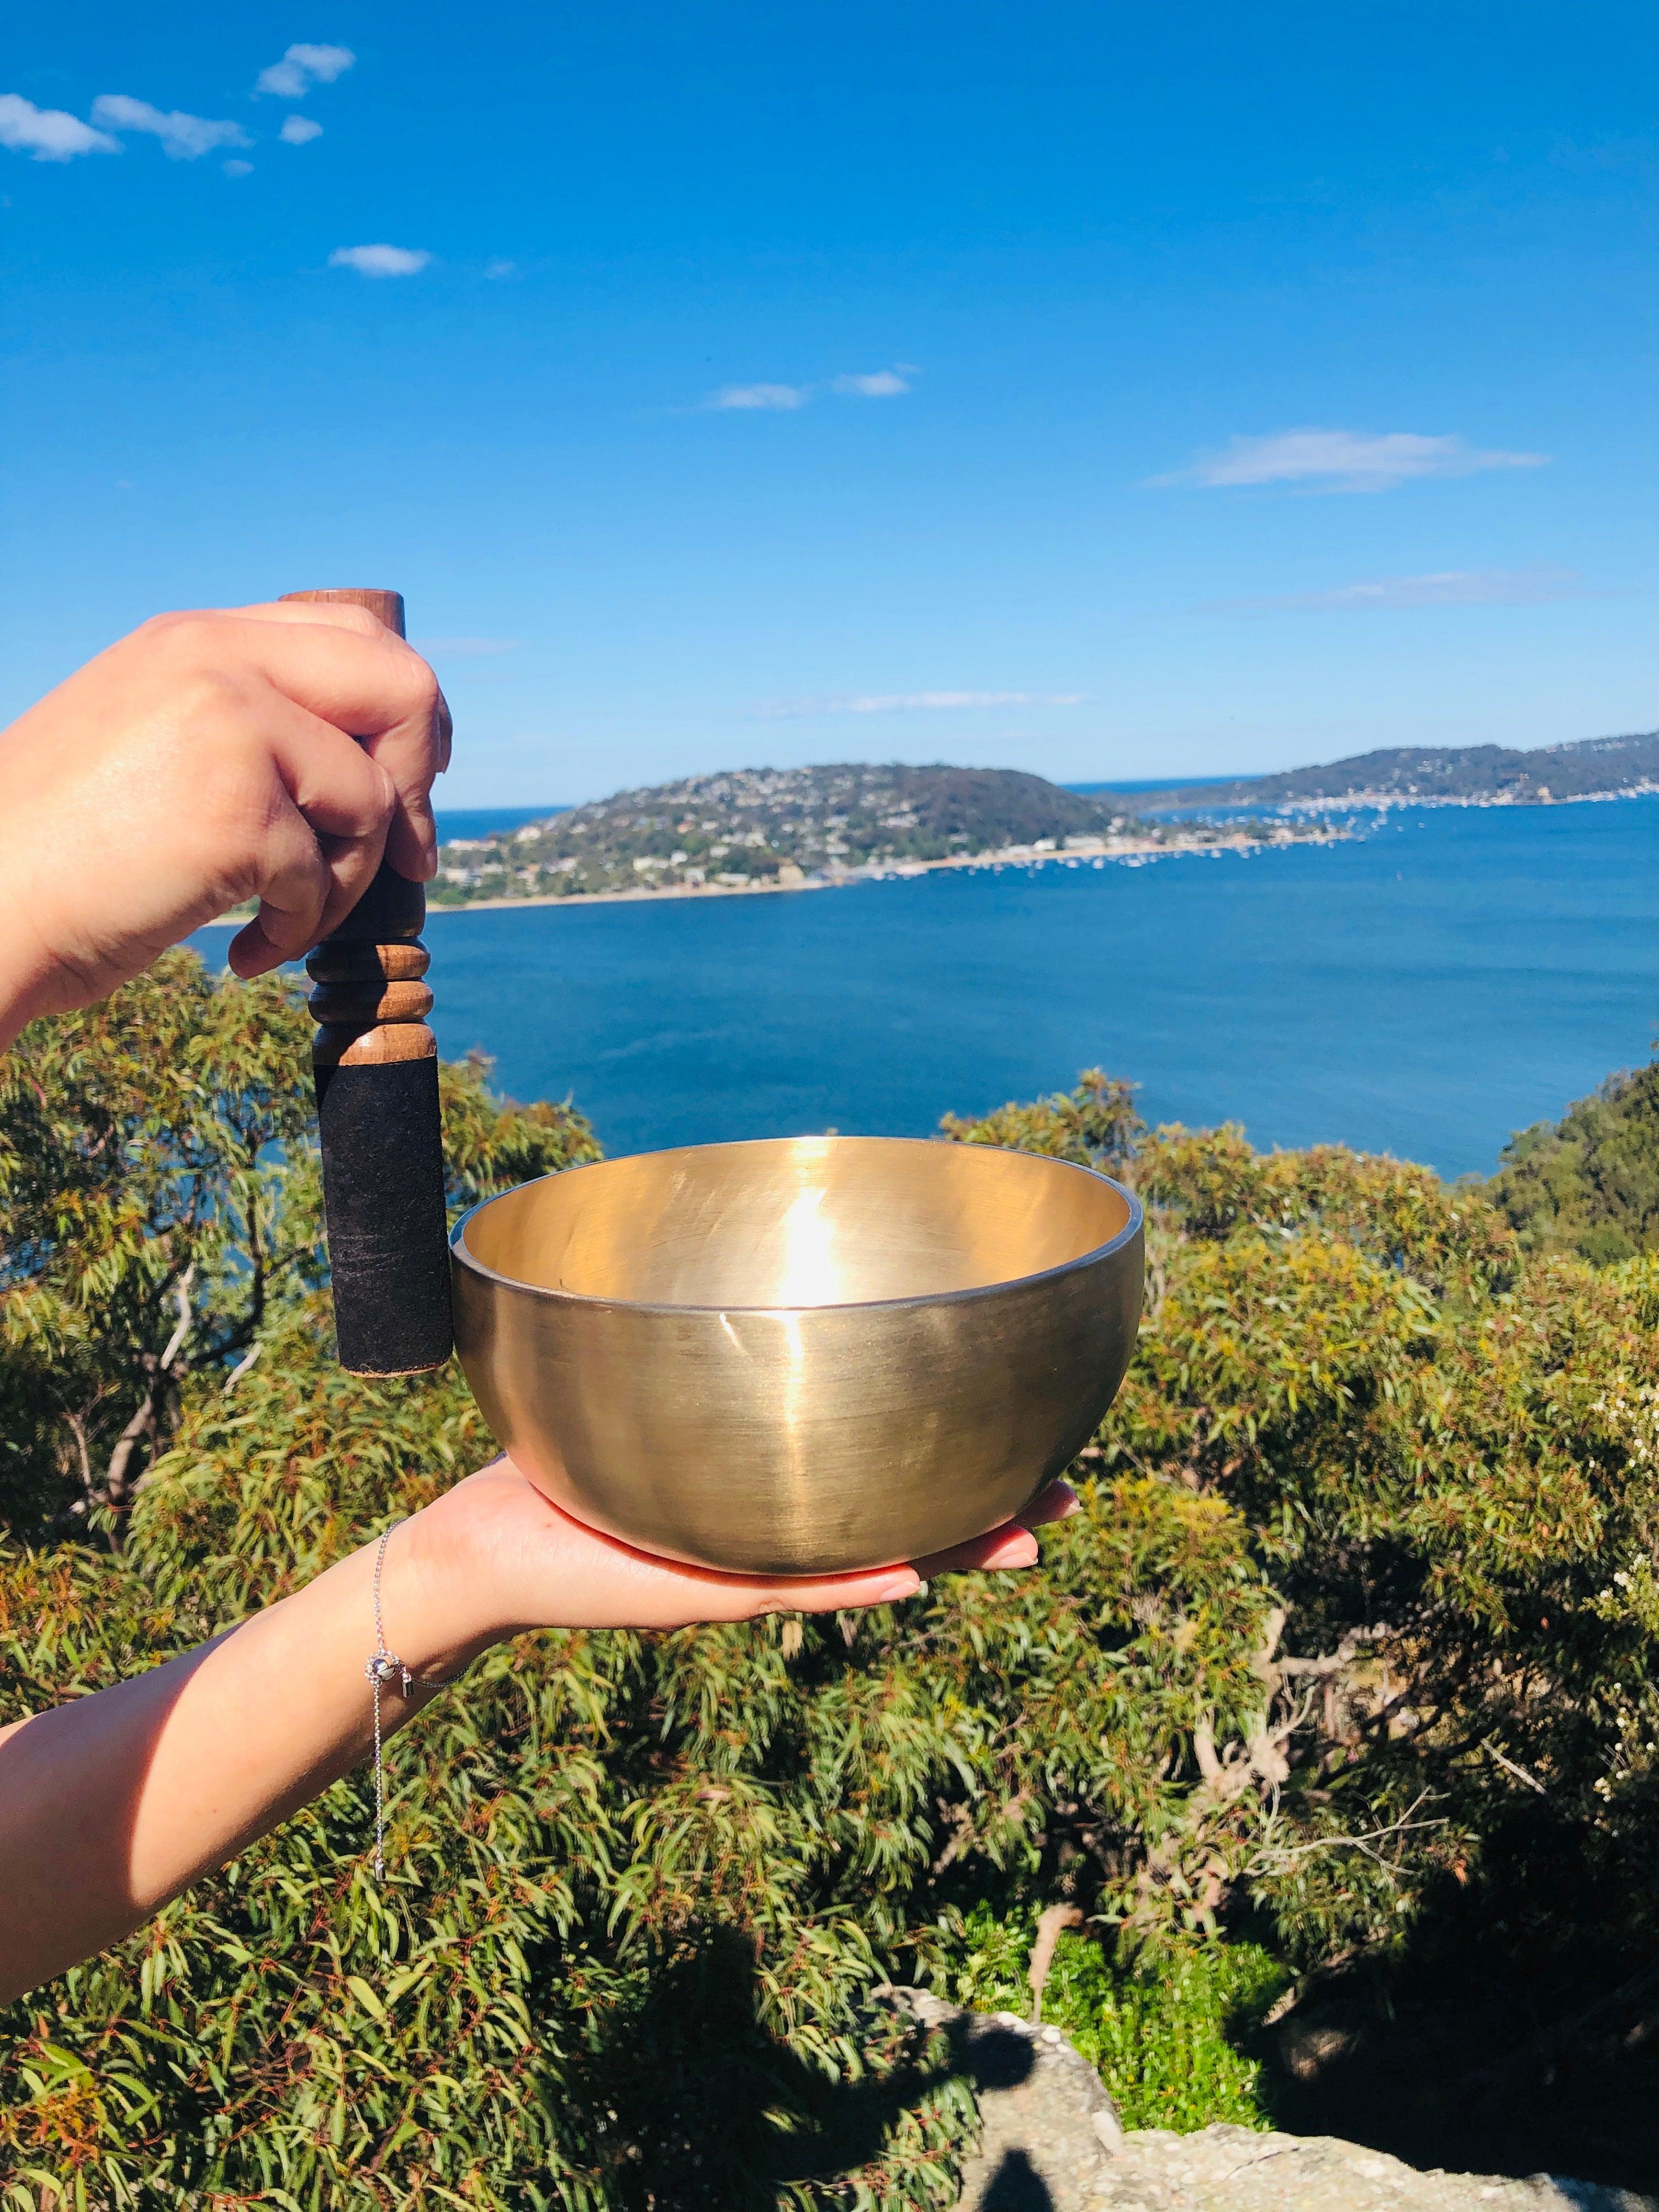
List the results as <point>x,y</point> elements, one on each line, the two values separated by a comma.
<point>375,1063</point>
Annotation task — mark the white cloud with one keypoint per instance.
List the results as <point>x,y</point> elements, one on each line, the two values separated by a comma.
<point>299,131</point>
<point>885,384</point>
<point>889,702</point>
<point>237,168</point>
<point>465,648</point>
<point>302,66</point>
<point>881,384</point>
<point>184,137</point>
<point>883,702</point>
<point>760,395</point>
<point>1343,460</point>
<point>500,266</point>
<point>47,133</point>
<point>380,260</point>
<point>1449,587</point>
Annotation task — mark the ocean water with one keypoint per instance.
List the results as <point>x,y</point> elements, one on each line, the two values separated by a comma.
<point>1446,978</point>
<point>485,821</point>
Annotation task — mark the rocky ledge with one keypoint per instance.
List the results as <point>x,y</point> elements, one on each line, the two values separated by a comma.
<point>1050,2141</point>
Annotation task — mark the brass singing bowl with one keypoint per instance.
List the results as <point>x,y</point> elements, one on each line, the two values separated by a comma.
<point>804,1355</point>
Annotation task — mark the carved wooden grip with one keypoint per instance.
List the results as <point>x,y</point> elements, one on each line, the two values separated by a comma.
<point>375,1063</point>
<point>370,1003</point>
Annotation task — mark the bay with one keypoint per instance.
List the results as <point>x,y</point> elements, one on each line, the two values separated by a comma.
<point>1446,977</point>
<point>489,821</point>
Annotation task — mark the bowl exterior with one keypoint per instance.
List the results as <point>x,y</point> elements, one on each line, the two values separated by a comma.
<point>800,1441</point>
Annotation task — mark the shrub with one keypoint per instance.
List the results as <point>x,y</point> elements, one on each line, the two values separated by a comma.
<point>1166,2044</point>
<point>1350,1648</point>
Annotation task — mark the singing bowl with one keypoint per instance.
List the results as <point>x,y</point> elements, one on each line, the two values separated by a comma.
<point>802,1355</point>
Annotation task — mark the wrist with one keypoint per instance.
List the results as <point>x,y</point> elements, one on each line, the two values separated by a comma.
<point>448,1609</point>
<point>27,968</point>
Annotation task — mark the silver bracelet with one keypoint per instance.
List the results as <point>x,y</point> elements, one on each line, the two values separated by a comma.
<point>382,1666</point>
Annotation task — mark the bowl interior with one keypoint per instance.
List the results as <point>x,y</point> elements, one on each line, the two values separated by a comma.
<point>800,1221</point>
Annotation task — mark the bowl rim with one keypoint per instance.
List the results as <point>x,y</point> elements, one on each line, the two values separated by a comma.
<point>462,1257</point>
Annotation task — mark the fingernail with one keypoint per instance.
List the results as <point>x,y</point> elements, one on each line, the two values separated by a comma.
<point>897,1586</point>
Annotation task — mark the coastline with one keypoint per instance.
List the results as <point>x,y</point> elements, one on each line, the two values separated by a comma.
<point>1117,852</point>
<point>1120,853</point>
<point>1384,802</point>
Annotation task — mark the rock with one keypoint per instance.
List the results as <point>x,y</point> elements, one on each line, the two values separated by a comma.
<point>1049,2130</point>
<point>1050,2141</point>
<point>1226,2169</point>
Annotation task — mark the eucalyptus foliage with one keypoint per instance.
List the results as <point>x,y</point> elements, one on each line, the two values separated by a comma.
<point>1360,1612</point>
<point>1590,1182</point>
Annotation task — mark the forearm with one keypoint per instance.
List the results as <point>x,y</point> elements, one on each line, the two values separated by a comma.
<point>113,1804</point>
<point>110,1805</point>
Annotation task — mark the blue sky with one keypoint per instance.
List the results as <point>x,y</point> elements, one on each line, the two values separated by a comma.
<point>1102,390</point>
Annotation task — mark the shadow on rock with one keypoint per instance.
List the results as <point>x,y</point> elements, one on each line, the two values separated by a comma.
<point>1017,2186</point>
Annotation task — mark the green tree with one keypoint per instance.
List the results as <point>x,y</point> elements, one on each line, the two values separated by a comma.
<point>1588,1183</point>
<point>145,1190</point>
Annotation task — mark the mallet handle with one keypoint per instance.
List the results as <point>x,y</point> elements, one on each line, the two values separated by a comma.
<point>375,1063</point>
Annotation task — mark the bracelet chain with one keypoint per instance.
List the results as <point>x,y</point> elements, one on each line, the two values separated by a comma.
<point>383,1667</point>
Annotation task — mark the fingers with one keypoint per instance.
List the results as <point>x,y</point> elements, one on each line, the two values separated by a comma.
<point>348,801</point>
<point>347,668</point>
<point>1011,1546</point>
<point>1005,1548</point>
<point>341,790</point>
<point>841,1593</point>
<point>1057,1502</point>
<point>293,900</point>
<point>735,1597</point>
<point>317,851</point>
<point>344,614</point>
<point>725,1597</point>
<point>670,1593</point>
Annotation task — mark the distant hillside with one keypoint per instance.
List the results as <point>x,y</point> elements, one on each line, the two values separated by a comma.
<point>1592,768</point>
<point>751,825</point>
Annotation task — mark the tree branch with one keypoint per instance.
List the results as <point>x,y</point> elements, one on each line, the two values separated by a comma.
<point>1050,1922</point>
<point>1509,1767</point>
<point>117,1489</point>
<point>240,1370</point>
<point>175,1342</point>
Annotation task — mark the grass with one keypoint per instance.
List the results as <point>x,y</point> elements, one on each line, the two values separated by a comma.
<point>1164,2040</point>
